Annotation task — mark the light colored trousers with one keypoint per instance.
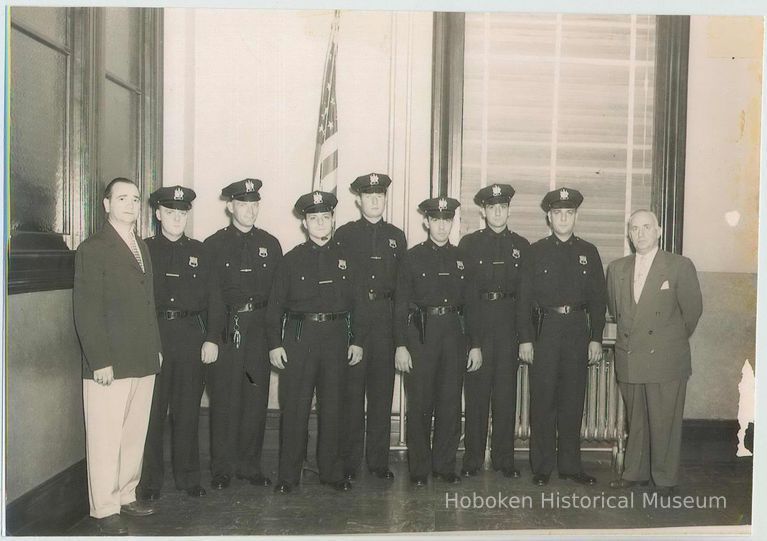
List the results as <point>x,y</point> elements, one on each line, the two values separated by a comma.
<point>116,420</point>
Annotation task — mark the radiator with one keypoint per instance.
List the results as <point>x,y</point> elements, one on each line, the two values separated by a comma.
<point>604,416</point>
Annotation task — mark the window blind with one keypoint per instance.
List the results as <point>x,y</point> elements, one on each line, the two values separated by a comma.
<point>560,100</point>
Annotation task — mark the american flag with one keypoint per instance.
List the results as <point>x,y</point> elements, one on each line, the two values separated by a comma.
<point>326,152</point>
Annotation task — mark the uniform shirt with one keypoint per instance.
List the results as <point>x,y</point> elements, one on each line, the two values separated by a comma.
<point>376,250</point>
<point>319,279</point>
<point>181,279</point>
<point>243,263</point>
<point>432,275</point>
<point>559,273</point>
<point>494,262</point>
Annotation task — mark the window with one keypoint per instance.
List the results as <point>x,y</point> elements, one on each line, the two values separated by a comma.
<point>84,106</point>
<point>553,100</point>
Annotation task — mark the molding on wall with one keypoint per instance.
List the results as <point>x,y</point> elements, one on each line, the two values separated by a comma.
<point>52,507</point>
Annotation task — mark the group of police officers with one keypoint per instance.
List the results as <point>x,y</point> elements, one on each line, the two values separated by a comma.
<point>337,314</point>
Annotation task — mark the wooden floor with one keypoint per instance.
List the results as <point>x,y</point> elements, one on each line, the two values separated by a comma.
<point>379,506</point>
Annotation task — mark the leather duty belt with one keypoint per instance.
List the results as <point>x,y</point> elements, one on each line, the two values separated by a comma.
<point>440,310</point>
<point>249,306</point>
<point>319,317</point>
<point>176,314</point>
<point>379,296</point>
<point>497,296</point>
<point>565,309</point>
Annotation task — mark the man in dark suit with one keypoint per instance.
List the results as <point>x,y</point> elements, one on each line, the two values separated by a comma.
<point>494,257</point>
<point>185,304</point>
<point>116,323</point>
<point>376,249</point>
<point>655,298</point>
<point>563,283</point>
<point>243,258</point>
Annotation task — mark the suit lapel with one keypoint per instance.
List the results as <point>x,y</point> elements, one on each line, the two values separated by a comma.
<point>122,248</point>
<point>627,287</point>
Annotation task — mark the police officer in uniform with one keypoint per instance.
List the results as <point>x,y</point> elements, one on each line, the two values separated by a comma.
<point>244,259</point>
<point>376,248</point>
<point>435,319</point>
<point>181,274</point>
<point>494,257</point>
<point>316,325</point>
<point>564,287</point>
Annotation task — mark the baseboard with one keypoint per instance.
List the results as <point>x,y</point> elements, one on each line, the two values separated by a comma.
<point>52,507</point>
<point>709,440</point>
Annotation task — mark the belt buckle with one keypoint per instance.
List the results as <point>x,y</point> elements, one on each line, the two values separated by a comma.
<point>169,314</point>
<point>566,309</point>
<point>441,310</point>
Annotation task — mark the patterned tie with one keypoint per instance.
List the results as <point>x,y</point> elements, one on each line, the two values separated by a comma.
<point>136,252</point>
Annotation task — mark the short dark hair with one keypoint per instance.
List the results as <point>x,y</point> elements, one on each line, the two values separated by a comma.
<point>117,180</point>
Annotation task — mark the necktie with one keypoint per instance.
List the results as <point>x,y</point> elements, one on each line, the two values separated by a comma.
<point>136,252</point>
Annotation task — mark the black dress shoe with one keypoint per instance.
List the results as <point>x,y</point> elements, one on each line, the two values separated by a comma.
<point>256,479</point>
<point>450,477</point>
<point>148,494</point>
<point>627,483</point>
<point>418,480</point>
<point>382,473</point>
<point>137,509</point>
<point>541,479</point>
<point>220,481</point>
<point>582,478</point>
<point>469,472</point>
<point>350,475</point>
<point>341,486</point>
<point>112,525</point>
<point>283,487</point>
<point>510,473</point>
<point>196,491</point>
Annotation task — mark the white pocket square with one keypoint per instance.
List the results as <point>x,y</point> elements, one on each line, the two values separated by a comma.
<point>664,285</point>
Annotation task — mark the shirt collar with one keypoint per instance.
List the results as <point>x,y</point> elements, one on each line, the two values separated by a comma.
<point>370,224</point>
<point>492,234</point>
<point>568,242</point>
<point>431,244</point>
<point>317,248</point>
<point>647,258</point>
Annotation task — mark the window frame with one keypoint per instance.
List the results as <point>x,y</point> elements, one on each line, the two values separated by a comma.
<point>37,261</point>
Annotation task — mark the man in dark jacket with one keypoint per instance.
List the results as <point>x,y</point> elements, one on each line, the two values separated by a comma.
<point>244,258</point>
<point>494,258</point>
<point>376,249</point>
<point>563,283</point>
<point>116,323</point>
<point>184,304</point>
<point>316,323</point>
<point>434,321</point>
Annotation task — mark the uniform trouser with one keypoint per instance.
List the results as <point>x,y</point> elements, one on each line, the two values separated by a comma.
<point>373,376</point>
<point>557,389</point>
<point>433,388</point>
<point>315,360</point>
<point>655,413</point>
<point>179,385</point>
<point>238,385</point>
<point>116,419</point>
<point>495,382</point>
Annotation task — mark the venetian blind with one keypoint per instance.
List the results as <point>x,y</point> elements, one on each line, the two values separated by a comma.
<point>555,100</point>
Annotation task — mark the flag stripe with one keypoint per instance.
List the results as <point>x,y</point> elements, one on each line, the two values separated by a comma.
<point>326,151</point>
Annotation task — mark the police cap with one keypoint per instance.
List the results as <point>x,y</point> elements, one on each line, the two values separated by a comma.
<point>243,190</point>
<point>316,201</point>
<point>495,193</point>
<point>372,183</point>
<point>562,198</point>
<point>439,207</point>
<point>172,197</point>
